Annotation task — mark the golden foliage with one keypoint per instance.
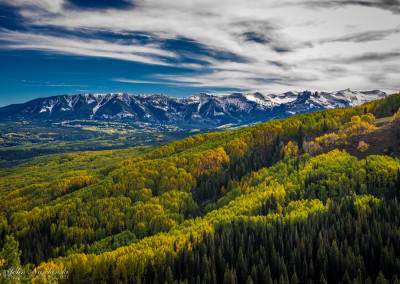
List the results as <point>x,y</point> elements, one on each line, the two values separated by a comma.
<point>290,150</point>
<point>369,117</point>
<point>312,148</point>
<point>396,115</point>
<point>362,146</point>
<point>328,139</point>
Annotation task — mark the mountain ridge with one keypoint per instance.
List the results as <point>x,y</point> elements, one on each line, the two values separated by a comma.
<point>201,109</point>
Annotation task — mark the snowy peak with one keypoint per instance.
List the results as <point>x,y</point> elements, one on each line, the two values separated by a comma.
<point>200,110</point>
<point>307,101</point>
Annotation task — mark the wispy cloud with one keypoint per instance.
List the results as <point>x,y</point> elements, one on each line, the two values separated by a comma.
<point>49,84</point>
<point>257,45</point>
<point>149,54</point>
<point>122,80</point>
<point>390,5</point>
<point>65,85</point>
<point>364,36</point>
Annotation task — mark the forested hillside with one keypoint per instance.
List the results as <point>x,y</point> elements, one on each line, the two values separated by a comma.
<point>277,202</point>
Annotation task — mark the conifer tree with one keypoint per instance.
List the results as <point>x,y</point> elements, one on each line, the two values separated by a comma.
<point>381,279</point>
<point>295,279</point>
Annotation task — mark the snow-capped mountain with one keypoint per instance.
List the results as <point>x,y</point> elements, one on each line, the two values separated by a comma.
<point>199,110</point>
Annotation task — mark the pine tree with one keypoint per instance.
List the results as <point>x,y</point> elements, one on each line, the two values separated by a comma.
<point>346,278</point>
<point>304,271</point>
<point>249,280</point>
<point>267,275</point>
<point>368,280</point>
<point>325,127</point>
<point>169,278</point>
<point>300,138</point>
<point>295,279</point>
<point>381,279</point>
<point>322,279</point>
<point>149,273</point>
<point>227,275</point>
<point>242,267</point>
<point>395,280</point>
<point>253,274</point>
<point>155,278</point>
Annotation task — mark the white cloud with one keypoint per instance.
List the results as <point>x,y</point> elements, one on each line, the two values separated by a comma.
<point>85,47</point>
<point>281,45</point>
<point>123,80</point>
<point>53,6</point>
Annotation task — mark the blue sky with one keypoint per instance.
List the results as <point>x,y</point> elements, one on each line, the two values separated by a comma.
<point>179,48</point>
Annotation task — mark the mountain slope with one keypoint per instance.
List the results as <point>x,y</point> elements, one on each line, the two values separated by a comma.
<point>198,110</point>
<point>384,140</point>
<point>119,216</point>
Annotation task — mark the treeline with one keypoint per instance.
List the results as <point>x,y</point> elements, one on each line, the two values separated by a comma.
<point>346,244</point>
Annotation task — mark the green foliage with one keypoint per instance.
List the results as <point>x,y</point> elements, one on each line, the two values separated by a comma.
<point>334,245</point>
<point>10,254</point>
<point>110,216</point>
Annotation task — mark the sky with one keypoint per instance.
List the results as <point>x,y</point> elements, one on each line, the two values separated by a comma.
<point>180,48</point>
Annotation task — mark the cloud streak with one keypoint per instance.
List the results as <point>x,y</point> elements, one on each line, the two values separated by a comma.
<point>123,80</point>
<point>149,54</point>
<point>390,5</point>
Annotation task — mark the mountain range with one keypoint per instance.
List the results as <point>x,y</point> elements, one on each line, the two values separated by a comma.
<point>201,110</point>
